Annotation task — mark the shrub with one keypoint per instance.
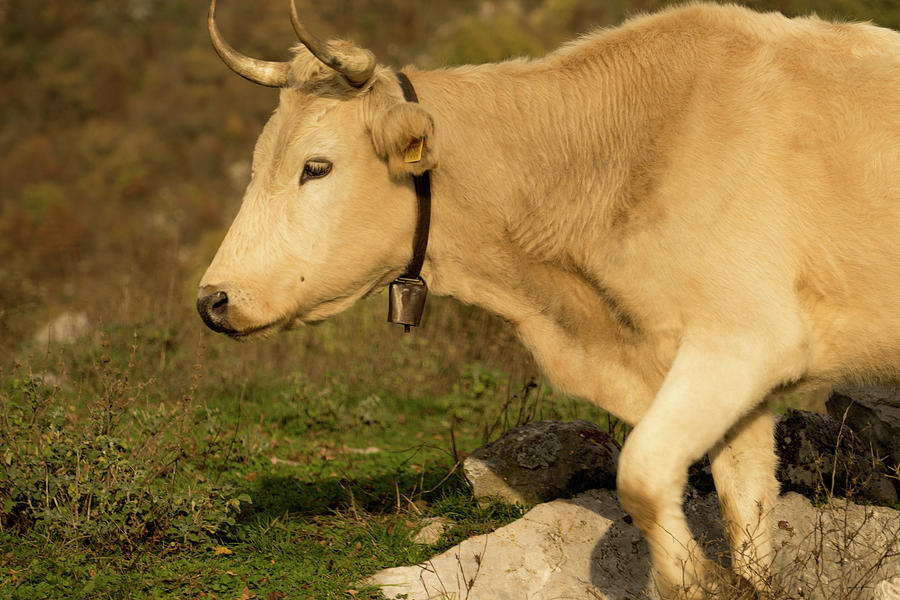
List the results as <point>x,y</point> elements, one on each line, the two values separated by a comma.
<point>90,479</point>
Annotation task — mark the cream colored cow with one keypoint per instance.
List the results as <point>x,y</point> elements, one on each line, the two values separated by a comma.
<point>677,215</point>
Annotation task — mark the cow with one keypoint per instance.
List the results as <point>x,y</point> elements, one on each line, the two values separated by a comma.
<point>678,216</point>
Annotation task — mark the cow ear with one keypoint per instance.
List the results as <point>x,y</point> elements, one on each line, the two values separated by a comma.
<point>403,133</point>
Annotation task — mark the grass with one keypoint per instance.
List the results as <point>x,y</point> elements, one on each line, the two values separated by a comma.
<point>128,475</point>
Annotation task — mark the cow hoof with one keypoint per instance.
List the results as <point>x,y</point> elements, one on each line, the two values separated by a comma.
<point>724,584</point>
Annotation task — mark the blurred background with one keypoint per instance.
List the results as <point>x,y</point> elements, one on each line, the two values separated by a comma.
<point>125,148</point>
<point>126,145</point>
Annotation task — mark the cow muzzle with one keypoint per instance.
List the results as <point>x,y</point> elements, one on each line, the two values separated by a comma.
<point>213,308</point>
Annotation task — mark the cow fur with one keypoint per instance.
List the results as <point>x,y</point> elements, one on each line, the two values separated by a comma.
<point>678,216</point>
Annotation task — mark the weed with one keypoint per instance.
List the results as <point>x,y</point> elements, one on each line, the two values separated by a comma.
<point>104,481</point>
<point>838,549</point>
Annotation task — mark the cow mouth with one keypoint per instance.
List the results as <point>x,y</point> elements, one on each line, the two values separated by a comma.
<point>257,331</point>
<point>300,317</point>
<point>311,318</point>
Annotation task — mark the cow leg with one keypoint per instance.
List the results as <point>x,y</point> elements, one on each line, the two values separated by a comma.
<point>709,388</point>
<point>743,466</point>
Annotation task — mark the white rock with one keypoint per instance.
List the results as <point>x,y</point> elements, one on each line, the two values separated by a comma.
<point>888,589</point>
<point>67,328</point>
<point>585,548</point>
<point>839,550</point>
<point>557,550</point>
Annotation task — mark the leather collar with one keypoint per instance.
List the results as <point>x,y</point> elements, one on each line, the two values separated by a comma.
<point>408,292</point>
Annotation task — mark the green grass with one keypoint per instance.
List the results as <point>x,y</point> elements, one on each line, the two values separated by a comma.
<point>131,479</point>
<point>315,557</point>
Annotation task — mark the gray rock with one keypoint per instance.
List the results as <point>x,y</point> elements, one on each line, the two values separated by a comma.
<point>874,414</point>
<point>546,460</point>
<point>817,454</point>
<point>542,461</point>
<point>586,547</point>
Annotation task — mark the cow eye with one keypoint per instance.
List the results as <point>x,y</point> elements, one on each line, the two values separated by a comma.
<point>314,169</point>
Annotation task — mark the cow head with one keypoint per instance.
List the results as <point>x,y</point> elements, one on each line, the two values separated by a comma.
<point>329,213</point>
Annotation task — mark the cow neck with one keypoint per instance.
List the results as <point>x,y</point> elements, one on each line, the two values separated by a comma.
<point>408,292</point>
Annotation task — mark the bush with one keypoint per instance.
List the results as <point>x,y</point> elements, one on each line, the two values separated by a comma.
<point>89,479</point>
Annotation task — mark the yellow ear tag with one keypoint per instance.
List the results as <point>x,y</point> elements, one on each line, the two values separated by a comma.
<point>413,153</point>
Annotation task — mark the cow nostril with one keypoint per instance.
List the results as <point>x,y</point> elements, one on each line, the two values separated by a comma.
<point>213,309</point>
<point>220,299</point>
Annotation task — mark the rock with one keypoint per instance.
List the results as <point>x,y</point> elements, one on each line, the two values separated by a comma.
<point>432,529</point>
<point>67,328</point>
<point>542,461</point>
<point>562,549</point>
<point>586,547</point>
<point>817,454</point>
<point>874,414</point>
<point>839,550</point>
<point>546,460</point>
<point>889,589</point>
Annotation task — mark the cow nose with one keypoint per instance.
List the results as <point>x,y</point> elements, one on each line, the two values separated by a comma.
<point>213,309</point>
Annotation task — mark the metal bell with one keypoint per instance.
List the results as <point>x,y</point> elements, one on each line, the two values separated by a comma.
<point>406,301</point>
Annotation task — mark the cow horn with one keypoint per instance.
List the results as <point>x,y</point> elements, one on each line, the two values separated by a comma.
<point>263,72</point>
<point>355,64</point>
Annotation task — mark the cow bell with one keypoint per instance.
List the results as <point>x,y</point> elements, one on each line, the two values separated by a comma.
<point>406,301</point>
